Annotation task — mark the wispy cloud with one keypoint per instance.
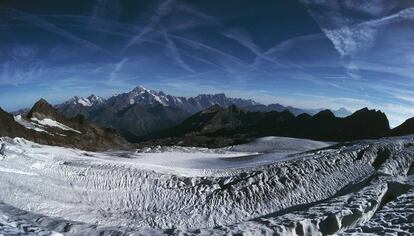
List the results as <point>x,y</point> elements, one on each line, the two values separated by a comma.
<point>349,33</point>
<point>36,21</point>
<point>12,74</point>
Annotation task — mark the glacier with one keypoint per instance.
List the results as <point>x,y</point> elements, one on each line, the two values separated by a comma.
<point>272,186</point>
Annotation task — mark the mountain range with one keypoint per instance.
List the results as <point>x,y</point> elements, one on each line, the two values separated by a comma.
<point>141,111</point>
<point>215,126</point>
<point>218,126</point>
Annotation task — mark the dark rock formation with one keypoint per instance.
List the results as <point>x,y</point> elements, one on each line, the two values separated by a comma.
<point>217,126</point>
<point>405,128</point>
<point>78,134</point>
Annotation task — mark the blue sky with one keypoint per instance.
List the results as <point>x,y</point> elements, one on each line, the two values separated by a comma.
<point>306,53</point>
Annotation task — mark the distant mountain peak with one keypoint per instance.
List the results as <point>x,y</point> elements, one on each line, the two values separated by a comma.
<point>85,102</point>
<point>141,89</point>
<point>42,109</point>
<point>325,113</point>
<point>144,96</point>
<point>93,97</point>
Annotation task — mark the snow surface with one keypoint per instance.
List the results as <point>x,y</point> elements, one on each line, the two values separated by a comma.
<point>187,190</point>
<point>28,125</point>
<point>84,102</point>
<point>273,144</point>
<point>53,123</point>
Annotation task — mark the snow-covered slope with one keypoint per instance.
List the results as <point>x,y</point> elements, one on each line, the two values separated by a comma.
<point>319,192</point>
<point>40,125</point>
<point>28,125</point>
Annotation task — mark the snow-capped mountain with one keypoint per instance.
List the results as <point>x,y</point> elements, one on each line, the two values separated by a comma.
<point>146,97</point>
<point>142,111</point>
<point>92,100</point>
<point>80,105</point>
<point>204,101</point>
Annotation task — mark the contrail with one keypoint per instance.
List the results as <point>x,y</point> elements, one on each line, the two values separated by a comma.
<point>130,28</point>
<point>161,10</point>
<point>174,51</point>
<point>34,20</point>
<point>248,43</point>
<point>117,68</point>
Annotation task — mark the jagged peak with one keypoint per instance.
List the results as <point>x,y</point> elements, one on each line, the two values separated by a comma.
<point>366,110</point>
<point>94,97</point>
<point>141,88</point>
<point>325,113</point>
<point>42,101</point>
<point>42,109</point>
<point>209,95</point>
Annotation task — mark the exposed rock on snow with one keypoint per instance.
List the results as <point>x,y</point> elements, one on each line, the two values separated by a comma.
<point>3,149</point>
<point>331,190</point>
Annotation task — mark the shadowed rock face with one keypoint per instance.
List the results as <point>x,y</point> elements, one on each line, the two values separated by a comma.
<point>77,132</point>
<point>42,109</point>
<point>217,126</point>
<point>9,127</point>
<point>362,124</point>
<point>136,120</point>
<point>405,128</point>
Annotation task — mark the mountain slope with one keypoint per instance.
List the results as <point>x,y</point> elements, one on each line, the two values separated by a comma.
<point>45,125</point>
<point>405,128</point>
<point>136,120</point>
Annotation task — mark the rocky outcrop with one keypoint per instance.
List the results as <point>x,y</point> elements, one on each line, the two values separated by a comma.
<point>46,125</point>
<point>405,128</point>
